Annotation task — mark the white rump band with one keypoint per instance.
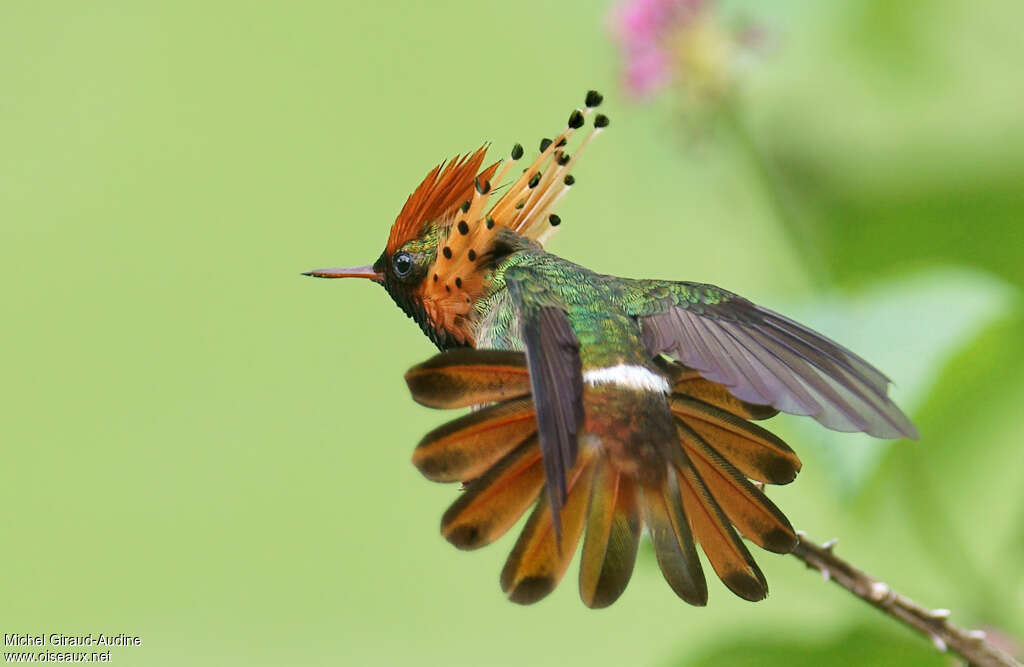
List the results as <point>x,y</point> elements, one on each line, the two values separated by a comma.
<point>628,376</point>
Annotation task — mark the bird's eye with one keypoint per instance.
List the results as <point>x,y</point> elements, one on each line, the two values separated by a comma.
<point>402,263</point>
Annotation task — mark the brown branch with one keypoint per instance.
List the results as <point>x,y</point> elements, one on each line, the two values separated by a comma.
<point>932,623</point>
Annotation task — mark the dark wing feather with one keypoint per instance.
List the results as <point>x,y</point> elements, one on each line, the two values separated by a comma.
<point>767,359</point>
<point>556,381</point>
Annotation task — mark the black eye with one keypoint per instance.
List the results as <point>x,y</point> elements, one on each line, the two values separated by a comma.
<point>402,263</point>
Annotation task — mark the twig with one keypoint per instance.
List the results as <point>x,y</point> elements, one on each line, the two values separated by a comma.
<point>932,623</point>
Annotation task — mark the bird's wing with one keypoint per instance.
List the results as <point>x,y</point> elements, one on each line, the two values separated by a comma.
<point>556,378</point>
<point>764,358</point>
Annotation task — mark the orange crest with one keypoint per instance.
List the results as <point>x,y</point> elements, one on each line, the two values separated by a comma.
<point>446,187</point>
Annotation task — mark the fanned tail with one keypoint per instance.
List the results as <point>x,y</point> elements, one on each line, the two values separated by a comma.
<point>689,485</point>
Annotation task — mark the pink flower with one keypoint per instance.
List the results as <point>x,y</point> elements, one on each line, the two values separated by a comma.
<point>647,71</point>
<point>670,41</point>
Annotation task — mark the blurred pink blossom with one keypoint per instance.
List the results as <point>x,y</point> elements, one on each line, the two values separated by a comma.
<point>684,44</point>
<point>646,30</point>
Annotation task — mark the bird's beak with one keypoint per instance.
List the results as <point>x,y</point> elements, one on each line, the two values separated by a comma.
<point>347,272</point>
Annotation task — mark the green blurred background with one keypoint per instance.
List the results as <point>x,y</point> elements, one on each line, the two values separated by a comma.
<point>205,449</point>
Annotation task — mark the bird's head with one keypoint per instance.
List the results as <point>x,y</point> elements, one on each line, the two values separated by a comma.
<point>444,243</point>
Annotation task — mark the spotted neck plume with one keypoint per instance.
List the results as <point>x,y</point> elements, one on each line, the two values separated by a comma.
<point>452,210</point>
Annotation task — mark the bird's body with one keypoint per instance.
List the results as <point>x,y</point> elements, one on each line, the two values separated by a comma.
<point>631,405</point>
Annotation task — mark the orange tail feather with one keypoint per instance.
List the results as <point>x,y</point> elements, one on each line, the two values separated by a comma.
<point>467,447</point>
<point>537,561</point>
<point>613,535</point>
<point>492,504</point>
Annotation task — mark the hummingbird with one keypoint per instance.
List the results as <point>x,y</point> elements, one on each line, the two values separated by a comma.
<point>608,405</point>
